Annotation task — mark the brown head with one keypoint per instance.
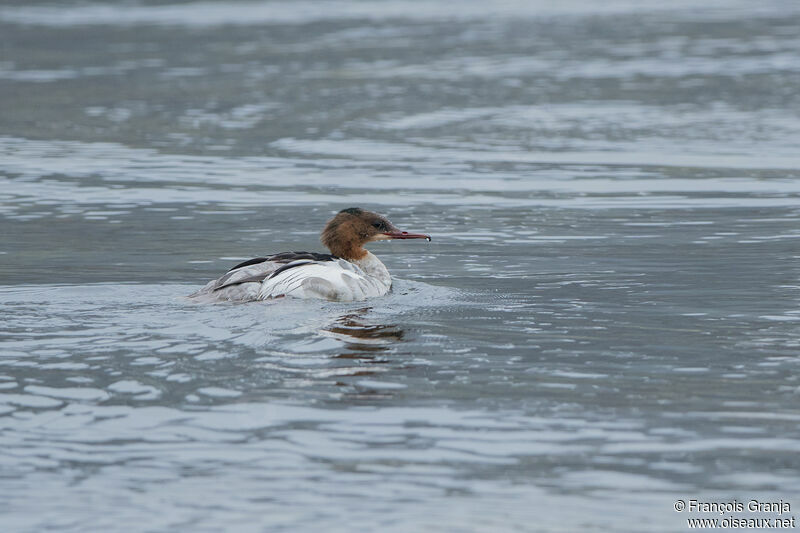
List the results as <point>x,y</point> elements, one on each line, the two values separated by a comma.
<point>346,234</point>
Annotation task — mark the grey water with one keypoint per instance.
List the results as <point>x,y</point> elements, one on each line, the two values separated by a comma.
<point>606,321</point>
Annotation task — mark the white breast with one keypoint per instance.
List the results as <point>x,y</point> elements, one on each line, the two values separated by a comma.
<point>330,280</point>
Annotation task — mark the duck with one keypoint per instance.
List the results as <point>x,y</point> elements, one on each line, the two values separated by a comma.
<point>348,273</point>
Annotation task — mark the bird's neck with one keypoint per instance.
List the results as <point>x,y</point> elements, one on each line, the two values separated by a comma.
<point>349,250</point>
<point>372,266</point>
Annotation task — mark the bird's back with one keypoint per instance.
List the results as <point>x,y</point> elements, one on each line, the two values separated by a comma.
<point>296,274</point>
<point>243,282</point>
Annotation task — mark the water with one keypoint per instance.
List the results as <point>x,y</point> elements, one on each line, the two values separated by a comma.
<point>606,320</point>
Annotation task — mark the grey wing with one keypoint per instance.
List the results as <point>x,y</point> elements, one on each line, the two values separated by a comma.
<point>240,284</point>
<point>337,280</point>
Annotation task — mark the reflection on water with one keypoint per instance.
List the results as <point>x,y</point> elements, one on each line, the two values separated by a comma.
<point>606,321</point>
<point>364,340</point>
<point>367,344</point>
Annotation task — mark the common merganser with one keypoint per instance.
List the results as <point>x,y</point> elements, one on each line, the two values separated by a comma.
<point>348,273</point>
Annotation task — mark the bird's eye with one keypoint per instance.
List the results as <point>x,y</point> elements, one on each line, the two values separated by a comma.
<point>377,225</point>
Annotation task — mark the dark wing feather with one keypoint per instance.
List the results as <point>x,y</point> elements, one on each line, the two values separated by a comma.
<point>296,259</point>
<point>249,262</point>
<point>286,257</point>
<point>258,278</point>
<point>288,266</point>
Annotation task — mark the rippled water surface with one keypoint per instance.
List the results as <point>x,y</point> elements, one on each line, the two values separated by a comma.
<point>606,320</point>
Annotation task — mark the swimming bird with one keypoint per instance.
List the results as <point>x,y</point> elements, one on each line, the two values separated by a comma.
<point>348,273</point>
